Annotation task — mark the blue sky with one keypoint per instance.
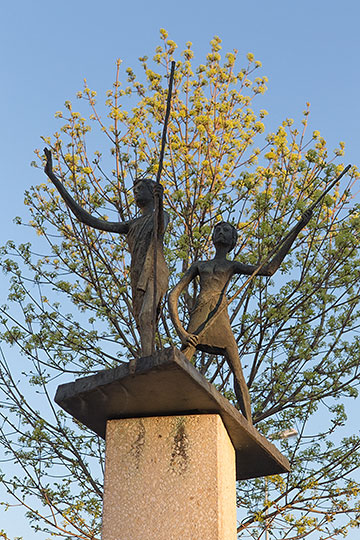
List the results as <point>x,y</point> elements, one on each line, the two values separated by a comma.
<point>309,51</point>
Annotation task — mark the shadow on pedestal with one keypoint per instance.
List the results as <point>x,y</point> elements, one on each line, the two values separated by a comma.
<point>162,385</point>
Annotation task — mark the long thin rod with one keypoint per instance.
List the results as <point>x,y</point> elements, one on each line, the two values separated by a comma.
<point>314,204</point>
<point>156,201</point>
<point>166,121</point>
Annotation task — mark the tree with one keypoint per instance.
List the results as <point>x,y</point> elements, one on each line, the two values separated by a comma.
<point>69,311</point>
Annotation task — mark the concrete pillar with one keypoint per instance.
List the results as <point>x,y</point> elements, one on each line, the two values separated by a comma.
<point>169,478</point>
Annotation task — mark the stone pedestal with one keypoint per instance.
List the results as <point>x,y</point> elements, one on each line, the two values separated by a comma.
<point>173,442</point>
<point>169,478</point>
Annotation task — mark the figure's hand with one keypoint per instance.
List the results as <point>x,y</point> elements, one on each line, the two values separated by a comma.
<point>158,191</point>
<point>48,167</point>
<point>189,340</point>
<point>305,218</point>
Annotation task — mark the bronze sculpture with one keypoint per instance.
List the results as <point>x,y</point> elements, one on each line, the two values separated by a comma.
<point>141,240</point>
<point>215,276</point>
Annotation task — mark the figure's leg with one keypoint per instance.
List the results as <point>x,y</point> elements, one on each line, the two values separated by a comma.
<point>188,351</point>
<point>240,386</point>
<point>146,323</point>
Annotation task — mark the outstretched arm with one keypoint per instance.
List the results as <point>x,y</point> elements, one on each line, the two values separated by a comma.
<point>270,268</point>
<point>187,278</point>
<point>76,209</point>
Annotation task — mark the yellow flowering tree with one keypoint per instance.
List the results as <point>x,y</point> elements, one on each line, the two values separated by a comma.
<point>69,310</point>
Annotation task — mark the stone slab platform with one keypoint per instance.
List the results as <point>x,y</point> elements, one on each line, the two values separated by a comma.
<point>162,385</point>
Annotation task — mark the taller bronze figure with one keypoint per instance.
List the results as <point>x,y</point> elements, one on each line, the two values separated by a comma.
<point>215,275</point>
<point>141,238</point>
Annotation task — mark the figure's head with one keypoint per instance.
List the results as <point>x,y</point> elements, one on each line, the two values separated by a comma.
<point>143,191</point>
<point>224,234</point>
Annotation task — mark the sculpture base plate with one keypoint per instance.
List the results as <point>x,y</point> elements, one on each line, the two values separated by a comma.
<point>166,384</point>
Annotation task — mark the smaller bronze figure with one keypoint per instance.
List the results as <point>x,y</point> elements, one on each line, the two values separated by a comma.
<point>215,276</point>
<point>140,238</point>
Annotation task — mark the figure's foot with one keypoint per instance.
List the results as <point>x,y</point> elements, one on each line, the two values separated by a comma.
<point>132,366</point>
<point>243,405</point>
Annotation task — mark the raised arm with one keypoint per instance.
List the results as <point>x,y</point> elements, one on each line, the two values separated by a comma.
<point>173,302</point>
<point>270,268</point>
<point>80,213</point>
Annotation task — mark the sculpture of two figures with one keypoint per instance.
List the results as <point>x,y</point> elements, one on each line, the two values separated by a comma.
<point>149,286</point>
